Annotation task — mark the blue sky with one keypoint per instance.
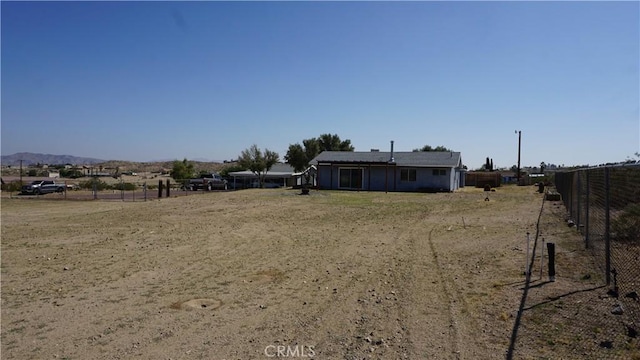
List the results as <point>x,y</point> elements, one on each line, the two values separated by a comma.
<point>145,81</point>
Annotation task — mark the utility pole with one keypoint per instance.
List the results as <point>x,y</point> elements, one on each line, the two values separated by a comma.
<point>20,173</point>
<point>519,146</point>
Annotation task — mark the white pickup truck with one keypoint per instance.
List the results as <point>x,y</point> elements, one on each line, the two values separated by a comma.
<point>43,187</point>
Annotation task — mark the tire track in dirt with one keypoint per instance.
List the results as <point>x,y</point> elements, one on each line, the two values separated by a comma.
<point>463,328</point>
<point>448,291</point>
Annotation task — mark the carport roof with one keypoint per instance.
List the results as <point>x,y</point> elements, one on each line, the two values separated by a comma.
<point>278,170</point>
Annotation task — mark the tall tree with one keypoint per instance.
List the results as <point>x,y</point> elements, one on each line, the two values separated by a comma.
<point>256,161</point>
<point>430,148</point>
<point>328,142</point>
<point>299,156</point>
<point>182,170</point>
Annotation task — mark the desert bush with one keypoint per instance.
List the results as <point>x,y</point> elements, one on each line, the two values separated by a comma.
<point>71,173</point>
<point>126,186</point>
<point>89,184</point>
<point>11,186</point>
<point>626,226</point>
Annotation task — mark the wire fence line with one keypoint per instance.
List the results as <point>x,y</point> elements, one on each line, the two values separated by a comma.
<point>133,192</point>
<point>604,204</point>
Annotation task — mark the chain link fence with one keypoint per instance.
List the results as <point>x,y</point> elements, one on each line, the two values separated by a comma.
<point>604,204</point>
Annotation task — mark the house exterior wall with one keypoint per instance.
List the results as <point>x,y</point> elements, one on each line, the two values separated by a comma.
<point>389,178</point>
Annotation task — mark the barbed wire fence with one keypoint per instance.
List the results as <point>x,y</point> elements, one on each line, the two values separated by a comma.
<point>604,204</point>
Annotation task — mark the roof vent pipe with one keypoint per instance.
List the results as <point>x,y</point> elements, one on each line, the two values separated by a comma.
<point>392,159</point>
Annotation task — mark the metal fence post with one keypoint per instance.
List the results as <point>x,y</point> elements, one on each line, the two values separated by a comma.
<point>607,237</point>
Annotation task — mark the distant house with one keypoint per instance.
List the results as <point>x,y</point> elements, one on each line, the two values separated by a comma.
<point>53,174</point>
<point>509,177</point>
<point>280,175</point>
<point>388,171</point>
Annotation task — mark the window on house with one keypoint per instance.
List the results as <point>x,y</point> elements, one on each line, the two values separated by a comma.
<point>351,178</point>
<point>407,174</point>
<point>439,172</point>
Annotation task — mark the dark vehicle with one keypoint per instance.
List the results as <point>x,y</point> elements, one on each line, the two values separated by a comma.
<point>207,182</point>
<point>43,187</point>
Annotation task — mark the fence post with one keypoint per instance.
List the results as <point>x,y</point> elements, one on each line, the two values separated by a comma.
<point>159,189</point>
<point>551,252</point>
<point>168,187</point>
<point>586,217</point>
<point>607,239</point>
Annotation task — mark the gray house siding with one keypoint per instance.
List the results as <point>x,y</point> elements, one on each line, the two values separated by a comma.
<point>386,178</point>
<point>372,177</point>
<point>375,172</point>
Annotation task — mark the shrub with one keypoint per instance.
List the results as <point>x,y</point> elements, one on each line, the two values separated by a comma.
<point>89,184</point>
<point>124,186</point>
<point>11,186</point>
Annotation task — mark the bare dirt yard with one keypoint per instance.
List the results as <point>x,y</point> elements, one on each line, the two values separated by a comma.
<point>259,274</point>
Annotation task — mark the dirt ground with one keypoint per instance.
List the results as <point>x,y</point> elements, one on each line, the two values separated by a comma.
<point>258,274</point>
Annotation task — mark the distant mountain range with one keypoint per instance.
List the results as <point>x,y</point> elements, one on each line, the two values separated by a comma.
<point>49,159</point>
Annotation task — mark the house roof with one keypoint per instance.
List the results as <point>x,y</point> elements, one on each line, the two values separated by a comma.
<point>412,158</point>
<point>277,170</point>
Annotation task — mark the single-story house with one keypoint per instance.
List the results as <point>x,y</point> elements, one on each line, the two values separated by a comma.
<point>280,175</point>
<point>388,171</point>
<point>509,177</point>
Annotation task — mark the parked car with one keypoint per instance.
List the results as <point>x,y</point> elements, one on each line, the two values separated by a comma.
<point>207,182</point>
<point>43,187</point>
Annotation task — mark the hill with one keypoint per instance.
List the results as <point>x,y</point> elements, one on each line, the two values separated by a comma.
<point>49,159</point>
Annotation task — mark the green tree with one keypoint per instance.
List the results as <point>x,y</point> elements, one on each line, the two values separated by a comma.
<point>430,148</point>
<point>299,156</point>
<point>328,142</point>
<point>296,157</point>
<point>182,170</point>
<point>254,160</point>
